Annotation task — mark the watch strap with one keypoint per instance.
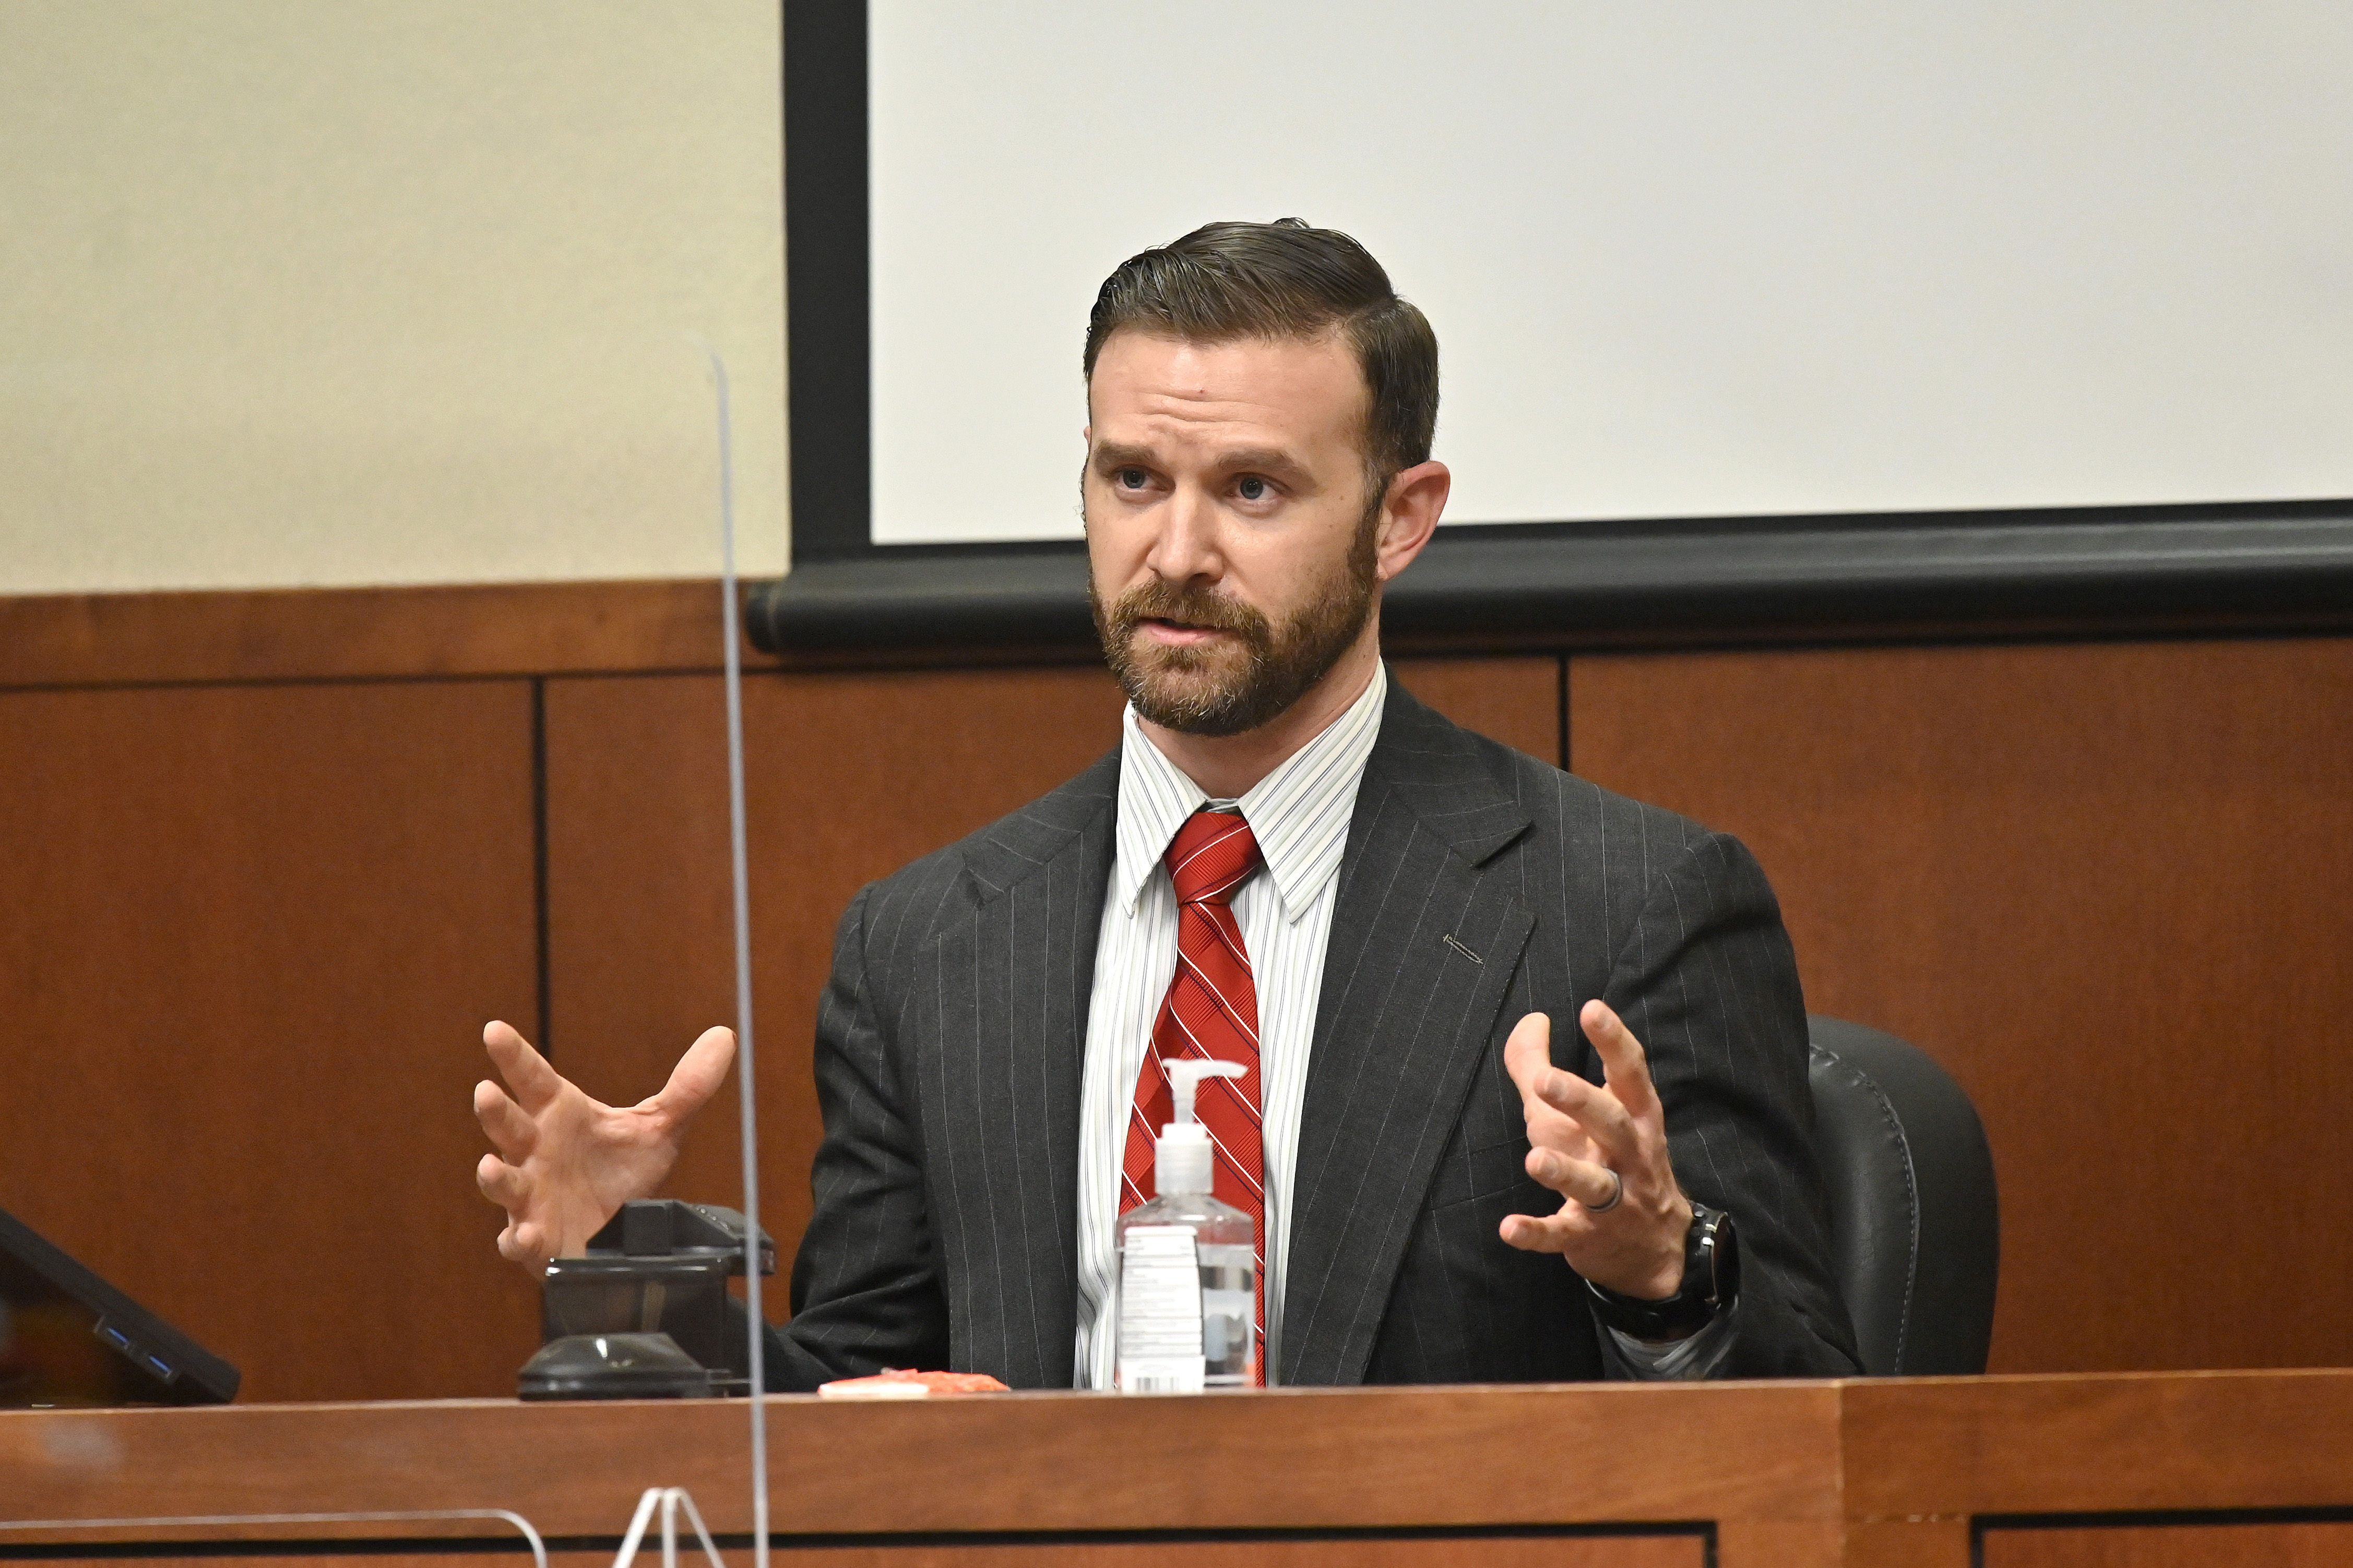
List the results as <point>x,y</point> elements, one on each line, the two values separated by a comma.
<point>1710,1286</point>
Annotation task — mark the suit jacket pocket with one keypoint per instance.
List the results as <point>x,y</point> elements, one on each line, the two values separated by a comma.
<point>1469,1175</point>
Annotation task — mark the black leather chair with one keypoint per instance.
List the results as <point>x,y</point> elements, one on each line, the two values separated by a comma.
<point>1915,1224</point>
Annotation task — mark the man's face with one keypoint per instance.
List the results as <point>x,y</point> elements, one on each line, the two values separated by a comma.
<point>1229,528</point>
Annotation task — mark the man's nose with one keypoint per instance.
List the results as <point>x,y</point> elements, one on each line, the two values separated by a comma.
<point>1187,546</point>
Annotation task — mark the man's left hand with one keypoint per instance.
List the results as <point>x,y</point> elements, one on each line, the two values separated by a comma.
<point>1586,1143</point>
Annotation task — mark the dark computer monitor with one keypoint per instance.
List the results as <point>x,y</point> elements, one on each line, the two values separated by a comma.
<point>68,1337</point>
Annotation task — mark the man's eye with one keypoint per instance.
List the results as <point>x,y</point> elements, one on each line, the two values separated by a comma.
<point>1129,479</point>
<point>1251,489</point>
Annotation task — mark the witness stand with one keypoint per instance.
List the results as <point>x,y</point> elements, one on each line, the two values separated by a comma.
<point>2006,1471</point>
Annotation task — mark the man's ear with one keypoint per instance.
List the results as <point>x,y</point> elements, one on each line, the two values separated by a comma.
<point>1409,515</point>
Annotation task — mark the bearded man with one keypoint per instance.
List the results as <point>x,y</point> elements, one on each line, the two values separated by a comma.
<point>1290,862</point>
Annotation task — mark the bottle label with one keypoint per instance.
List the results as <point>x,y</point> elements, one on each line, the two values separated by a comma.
<point>1159,1310</point>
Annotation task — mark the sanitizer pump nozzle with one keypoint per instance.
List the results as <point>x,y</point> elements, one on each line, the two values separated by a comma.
<point>1180,1158</point>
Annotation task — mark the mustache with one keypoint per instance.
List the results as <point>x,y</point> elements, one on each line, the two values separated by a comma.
<point>1160,600</point>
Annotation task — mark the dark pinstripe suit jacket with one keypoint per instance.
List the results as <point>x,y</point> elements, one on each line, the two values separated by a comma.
<point>1478,885</point>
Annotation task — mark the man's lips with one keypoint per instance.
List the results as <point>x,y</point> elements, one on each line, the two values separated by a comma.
<point>1178,634</point>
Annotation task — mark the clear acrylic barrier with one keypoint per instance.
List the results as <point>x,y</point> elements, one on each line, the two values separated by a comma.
<point>410,463</point>
<point>117,1528</point>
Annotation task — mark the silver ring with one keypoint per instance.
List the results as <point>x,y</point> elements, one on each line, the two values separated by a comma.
<point>1617,1194</point>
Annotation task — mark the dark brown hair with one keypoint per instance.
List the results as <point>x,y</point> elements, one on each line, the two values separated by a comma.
<point>1283,280</point>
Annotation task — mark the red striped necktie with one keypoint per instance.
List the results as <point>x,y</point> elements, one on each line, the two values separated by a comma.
<point>1210,1014</point>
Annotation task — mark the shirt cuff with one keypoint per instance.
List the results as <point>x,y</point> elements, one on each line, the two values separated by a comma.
<point>1683,1361</point>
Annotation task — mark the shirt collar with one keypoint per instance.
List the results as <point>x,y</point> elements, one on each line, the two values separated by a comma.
<point>1299,812</point>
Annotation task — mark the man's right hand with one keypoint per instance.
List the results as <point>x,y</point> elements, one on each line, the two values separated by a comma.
<point>565,1164</point>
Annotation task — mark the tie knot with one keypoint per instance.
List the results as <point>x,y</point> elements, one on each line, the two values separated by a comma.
<point>1210,856</point>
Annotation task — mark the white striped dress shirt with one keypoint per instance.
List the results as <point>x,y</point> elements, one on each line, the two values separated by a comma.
<point>1300,815</point>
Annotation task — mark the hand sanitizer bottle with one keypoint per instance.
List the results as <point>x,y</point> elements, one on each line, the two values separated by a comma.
<point>1187,1266</point>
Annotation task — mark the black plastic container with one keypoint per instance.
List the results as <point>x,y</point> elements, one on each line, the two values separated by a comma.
<point>659,1266</point>
<point>614,1366</point>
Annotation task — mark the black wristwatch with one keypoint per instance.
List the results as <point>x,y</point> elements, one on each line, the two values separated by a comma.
<point>1710,1284</point>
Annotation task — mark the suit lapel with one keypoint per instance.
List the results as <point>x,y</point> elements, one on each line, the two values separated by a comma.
<point>1000,1070</point>
<point>1423,945</point>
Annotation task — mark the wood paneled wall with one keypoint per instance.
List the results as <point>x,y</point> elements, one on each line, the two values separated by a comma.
<point>2111,888</point>
<point>252,929</point>
<point>250,934</point>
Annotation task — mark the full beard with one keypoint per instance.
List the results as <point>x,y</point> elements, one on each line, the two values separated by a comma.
<point>1243,680</point>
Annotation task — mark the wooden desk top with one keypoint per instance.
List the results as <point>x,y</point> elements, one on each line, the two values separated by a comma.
<point>1794,1462</point>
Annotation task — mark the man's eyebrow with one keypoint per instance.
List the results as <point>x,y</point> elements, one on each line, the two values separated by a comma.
<point>1119,454</point>
<point>1263,460</point>
<point>1269,460</point>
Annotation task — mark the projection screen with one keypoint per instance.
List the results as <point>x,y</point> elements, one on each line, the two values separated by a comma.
<point>1683,261</point>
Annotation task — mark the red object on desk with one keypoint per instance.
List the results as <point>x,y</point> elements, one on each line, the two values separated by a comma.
<point>896,1383</point>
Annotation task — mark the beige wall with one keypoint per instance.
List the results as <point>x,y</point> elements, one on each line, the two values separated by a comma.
<point>297,292</point>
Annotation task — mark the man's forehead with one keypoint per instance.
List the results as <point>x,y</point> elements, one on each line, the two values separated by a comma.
<point>1304,387</point>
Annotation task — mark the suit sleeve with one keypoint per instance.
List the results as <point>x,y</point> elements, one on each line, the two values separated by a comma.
<point>1708,982</point>
<point>865,1287</point>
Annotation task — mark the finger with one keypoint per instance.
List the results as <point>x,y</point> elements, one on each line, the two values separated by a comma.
<point>1523,1231</point>
<point>1624,1066</point>
<point>1585,1182</point>
<point>533,1083</point>
<point>1527,1054</point>
<point>698,1075</point>
<point>504,1184</point>
<point>1596,1112</point>
<point>523,1244</point>
<point>503,1121</point>
<point>1548,1232</point>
